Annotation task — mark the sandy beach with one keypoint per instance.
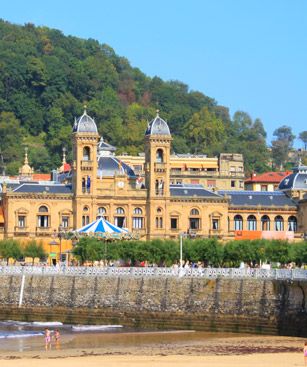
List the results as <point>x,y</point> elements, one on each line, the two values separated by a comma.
<point>231,351</point>
<point>269,360</point>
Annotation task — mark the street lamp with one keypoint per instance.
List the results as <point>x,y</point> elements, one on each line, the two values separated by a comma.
<point>181,236</point>
<point>51,243</point>
<point>60,236</point>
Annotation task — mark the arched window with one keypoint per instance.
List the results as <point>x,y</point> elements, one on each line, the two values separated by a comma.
<point>159,156</point>
<point>137,211</point>
<point>101,212</point>
<point>238,222</point>
<point>265,223</point>
<point>120,211</point>
<point>137,220</point>
<point>159,186</point>
<point>43,209</point>
<point>194,212</point>
<point>43,218</point>
<point>251,223</point>
<point>292,224</point>
<point>159,218</point>
<point>85,216</point>
<point>86,154</point>
<point>120,219</point>
<point>279,223</point>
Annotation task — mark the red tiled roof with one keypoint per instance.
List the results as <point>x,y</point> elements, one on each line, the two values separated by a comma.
<point>67,167</point>
<point>270,177</point>
<point>41,176</point>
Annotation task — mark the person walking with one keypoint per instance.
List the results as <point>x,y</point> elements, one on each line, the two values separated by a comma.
<point>47,339</point>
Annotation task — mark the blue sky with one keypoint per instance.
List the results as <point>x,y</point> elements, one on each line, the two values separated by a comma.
<point>249,55</point>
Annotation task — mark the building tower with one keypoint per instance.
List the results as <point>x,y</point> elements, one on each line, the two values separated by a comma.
<point>26,171</point>
<point>157,173</point>
<point>84,170</point>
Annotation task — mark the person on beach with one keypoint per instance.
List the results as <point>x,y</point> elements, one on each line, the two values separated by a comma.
<point>305,353</point>
<point>57,337</point>
<point>47,339</point>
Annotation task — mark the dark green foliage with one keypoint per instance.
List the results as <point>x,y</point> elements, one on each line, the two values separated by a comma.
<point>46,78</point>
<point>10,249</point>
<point>210,252</point>
<point>88,249</point>
<point>35,250</point>
<point>282,145</point>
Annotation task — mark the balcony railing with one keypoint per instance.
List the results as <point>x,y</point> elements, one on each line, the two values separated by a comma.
<point>86,165</point>
<point>43,231</point>
<point>160,167</point>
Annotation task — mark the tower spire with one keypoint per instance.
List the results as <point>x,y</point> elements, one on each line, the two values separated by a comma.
<point>64,156</point>
<point>26,161</point>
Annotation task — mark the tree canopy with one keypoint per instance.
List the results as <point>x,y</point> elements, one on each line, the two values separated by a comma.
<point>46,77</point>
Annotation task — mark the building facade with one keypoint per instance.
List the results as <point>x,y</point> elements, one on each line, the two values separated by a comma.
<point>101,184</point>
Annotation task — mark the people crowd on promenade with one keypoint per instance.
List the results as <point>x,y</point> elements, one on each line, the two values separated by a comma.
<point>186,264</point>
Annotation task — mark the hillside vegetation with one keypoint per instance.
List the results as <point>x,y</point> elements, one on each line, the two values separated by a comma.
<point>46,77</point>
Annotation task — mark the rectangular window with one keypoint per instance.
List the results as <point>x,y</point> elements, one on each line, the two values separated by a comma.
<point>138,168</point>
<point>264,188</point>
<point>233,183</point>
<point>194,223</point>
<point>65,221</point>
<point>159,222</point>
<point>43,221</point>
<point>174,223</point>
<point>175,170</point>
<point>137,222</point>
<point>85,220</point>
<point>21,221</point>
<point>211,183</point>
<point>215,224</point>
<point>119,222</point>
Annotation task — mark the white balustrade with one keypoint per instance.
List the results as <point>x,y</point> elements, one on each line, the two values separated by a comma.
<point>136,272</point>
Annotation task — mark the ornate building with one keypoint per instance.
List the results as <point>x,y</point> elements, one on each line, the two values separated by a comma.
<point>100,184</point>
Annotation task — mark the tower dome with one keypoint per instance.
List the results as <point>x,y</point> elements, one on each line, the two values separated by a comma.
<point>85,124</point>
<point>157,126</point>
<point>296,180</point>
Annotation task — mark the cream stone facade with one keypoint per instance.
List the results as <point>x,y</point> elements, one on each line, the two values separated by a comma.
<point>101,184</point>
<point>225,172</point>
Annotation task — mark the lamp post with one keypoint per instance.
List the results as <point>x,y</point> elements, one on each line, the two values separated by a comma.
<point>51,243</point>
<point>60,236</point>
<point>181,236</point>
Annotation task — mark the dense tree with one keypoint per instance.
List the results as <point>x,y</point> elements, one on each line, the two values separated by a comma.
<point>46,77</point>
<point>88,249</point>
<point>10,249</point>
<point>205,132</point>
<point>303,138</point>
<point>35,250</point>
<point>282,145</point>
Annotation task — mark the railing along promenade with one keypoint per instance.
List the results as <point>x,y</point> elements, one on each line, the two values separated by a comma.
<point>205,273</point>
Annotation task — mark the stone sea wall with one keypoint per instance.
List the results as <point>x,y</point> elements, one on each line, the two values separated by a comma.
<point>242,305</point>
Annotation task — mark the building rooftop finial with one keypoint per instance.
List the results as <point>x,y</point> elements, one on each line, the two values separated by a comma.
<point>64,155</point>
<point>26,156</point>
<point>157,110</point>
<point>85,107</point>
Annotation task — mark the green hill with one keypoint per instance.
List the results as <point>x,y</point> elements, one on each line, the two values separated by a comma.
<point>46,77</point>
